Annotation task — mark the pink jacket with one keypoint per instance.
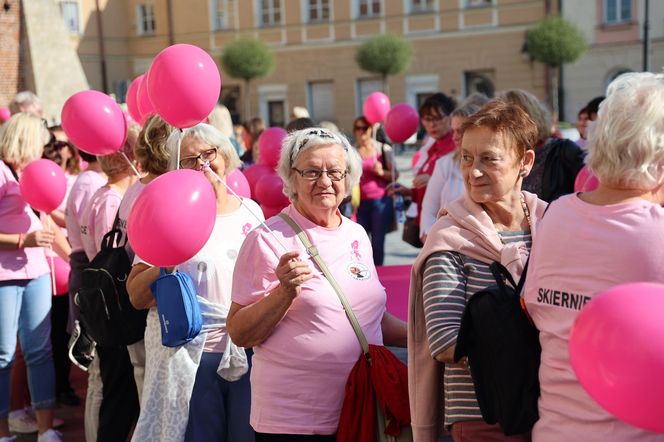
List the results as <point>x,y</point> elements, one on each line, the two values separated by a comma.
<point>467,229</point>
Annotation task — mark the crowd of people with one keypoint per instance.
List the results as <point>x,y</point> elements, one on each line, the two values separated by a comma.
<point>493,182</point>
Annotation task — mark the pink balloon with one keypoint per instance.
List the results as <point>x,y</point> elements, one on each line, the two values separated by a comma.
<point>616,347</point>
<point>585,181</point>
<point>237,181</point>
<point>145,106</point>
<point>5,114</point>
<point>184,85</point>
<point>132,98</point>
<point>94,123</point>
<point>269,212</point>
<point>269,146</point>
<point>62,270</point>
<point>172,218</point>
<point>43,185</point>
<point>376,107</point>
<point>270,191</point>
<point>401,122</point>
<point>254,172</point>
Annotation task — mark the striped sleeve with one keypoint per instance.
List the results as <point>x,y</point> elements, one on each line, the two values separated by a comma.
<point>444,295</point>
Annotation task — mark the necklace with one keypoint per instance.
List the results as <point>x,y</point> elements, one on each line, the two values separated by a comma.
<point>526,213</point>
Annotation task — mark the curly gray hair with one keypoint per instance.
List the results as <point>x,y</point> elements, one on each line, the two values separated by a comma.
<point>297,142</point>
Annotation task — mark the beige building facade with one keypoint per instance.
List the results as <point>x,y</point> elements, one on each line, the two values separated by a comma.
<point>458,46</point>
<point>614,31</point>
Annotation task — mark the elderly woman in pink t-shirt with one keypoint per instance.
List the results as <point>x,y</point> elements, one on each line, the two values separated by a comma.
<point>285,308</point>
<point>590,242</point>
<point>25,287</point>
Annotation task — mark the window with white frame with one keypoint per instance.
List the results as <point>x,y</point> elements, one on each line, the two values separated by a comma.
<point>478,3</point>
<point>145,18</point>
<point>69,11</point>
<point>321,100</point>
<point>617,11</point>
<point>269,12</point>
<point>421,6</point>
<point>222,14</point>
<point>365,86</point>
<point>368,8</point>
<point>319,10</point>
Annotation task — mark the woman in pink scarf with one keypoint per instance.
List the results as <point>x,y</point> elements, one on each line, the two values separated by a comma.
<point>493,221</point>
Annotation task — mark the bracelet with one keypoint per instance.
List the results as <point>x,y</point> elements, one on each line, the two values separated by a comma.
<point>21,241</point>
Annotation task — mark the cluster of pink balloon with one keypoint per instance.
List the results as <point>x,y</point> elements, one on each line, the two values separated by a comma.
<point>266,186</point>
<point>400,121</point>
<point>173,217</point>
<point>616,347</point>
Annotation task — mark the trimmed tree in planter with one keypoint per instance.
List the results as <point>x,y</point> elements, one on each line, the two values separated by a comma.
<point>247,59</point>
<point>385,55</point>
<point>554,42</point>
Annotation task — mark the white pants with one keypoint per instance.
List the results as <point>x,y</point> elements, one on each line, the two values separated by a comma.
<point>93,401</point>
<point>137,356</point>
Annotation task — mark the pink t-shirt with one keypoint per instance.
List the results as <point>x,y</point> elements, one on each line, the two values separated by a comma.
<point>125,208</point>
<point>17,217</point>
<point>97,219</point>
<point>580,250</point>
<point>300,370</point>
<point>84,187</point>
<point>372,186</point>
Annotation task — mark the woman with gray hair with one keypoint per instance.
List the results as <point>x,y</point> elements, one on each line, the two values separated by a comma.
<point>286,309</point>
<point>183,396</point>
<point>590,242</point>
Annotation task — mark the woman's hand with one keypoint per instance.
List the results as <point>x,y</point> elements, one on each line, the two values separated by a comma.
<point>292,273</point>
<point>421,180</point>
<point>39,238</point>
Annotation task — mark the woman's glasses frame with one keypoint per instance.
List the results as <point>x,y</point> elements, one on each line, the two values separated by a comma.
<point>208,155</point>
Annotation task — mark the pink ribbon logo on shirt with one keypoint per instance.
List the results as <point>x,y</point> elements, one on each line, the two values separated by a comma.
<point>355,245</point>
<point>246,229</point>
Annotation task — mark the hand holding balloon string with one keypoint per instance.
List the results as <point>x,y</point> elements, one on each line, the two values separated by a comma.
<point>206,167</point>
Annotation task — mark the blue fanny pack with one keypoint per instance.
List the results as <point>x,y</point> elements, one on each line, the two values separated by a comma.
<point>177,305</point>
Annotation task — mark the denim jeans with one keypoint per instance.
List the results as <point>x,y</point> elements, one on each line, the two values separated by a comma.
<point>375,216</point>
<point>25,308</point>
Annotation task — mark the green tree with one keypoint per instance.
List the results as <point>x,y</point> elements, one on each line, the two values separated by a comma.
<point>385,55</point>
<point>554,42</point>
<point>247,58</point>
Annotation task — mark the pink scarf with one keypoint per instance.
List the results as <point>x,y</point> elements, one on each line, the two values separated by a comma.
<point>467,229</point>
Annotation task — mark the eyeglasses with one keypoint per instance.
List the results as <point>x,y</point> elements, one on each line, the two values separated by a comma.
<point>361,128</point>
<point>205,156</point>
<point>431,120</point>
<point>315,174</point>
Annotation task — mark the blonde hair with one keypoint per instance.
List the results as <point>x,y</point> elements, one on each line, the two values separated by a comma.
<point>151,151</point>
<point>534,108</point>
<point>220,119</point>
<point>626,142</point>
<point>22,139</point>
<point>115,163</point>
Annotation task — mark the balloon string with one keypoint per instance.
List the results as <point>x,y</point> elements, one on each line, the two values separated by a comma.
<point>177,166</point>
<point>131,165</point>
<point>47,226</point>
<point>206,166</point>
